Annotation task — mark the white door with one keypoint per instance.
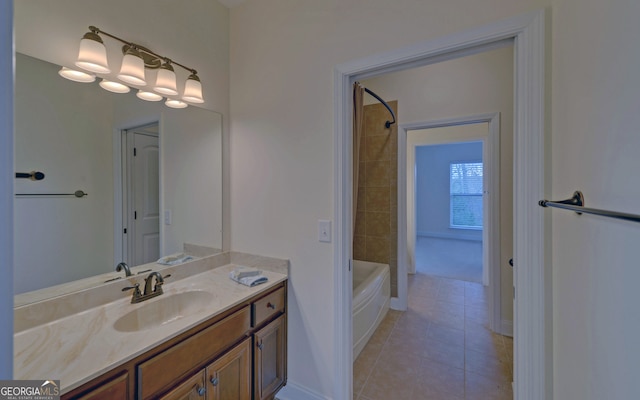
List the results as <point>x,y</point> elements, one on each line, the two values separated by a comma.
<point>144,190</point>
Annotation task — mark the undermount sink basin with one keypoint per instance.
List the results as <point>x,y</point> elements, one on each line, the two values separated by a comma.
<point>163,310</point>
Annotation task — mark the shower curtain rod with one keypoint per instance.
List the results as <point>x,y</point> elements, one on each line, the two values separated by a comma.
<point>384,103</point>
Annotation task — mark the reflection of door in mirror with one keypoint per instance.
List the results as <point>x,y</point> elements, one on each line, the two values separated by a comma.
<point>141,216</point>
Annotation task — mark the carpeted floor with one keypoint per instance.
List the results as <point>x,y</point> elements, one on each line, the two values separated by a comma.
<point>448,258</point>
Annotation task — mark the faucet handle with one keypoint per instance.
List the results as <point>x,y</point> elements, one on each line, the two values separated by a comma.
<point>136,288</point>
<point>160,282</point>
<point>137,295</point>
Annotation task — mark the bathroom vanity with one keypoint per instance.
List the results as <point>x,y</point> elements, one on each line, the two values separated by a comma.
<point>222,358</point>
<point>205,337</point>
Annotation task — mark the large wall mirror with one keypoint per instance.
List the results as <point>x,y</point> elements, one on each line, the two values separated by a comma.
<point>79,136</point>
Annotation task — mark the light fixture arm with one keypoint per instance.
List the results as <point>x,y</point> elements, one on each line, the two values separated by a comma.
<point>142,49</point>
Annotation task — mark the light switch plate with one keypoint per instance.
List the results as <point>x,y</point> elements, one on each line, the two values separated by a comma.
<point>324,230</point>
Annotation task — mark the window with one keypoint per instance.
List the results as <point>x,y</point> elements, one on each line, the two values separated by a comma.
<point>465,195</point>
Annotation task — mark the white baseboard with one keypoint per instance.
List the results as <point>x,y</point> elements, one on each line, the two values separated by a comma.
<point>506,328</point>
<point>446,235</point>
<point>293,391</point>
<point>396,304</point>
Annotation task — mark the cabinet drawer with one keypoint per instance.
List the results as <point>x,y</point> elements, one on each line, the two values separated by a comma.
<point>117,388</point>
<point>163,370</point>
<point>267,307</point>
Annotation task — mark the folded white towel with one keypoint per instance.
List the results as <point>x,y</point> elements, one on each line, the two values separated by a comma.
<point>250,280</point>
<point>175,259</point>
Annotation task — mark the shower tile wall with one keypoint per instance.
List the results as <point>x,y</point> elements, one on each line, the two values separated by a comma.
<point>376,230</point>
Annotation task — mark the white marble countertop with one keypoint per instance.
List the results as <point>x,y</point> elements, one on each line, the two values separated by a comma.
<point>84,345</point>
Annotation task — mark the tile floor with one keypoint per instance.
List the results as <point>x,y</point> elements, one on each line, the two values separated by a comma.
<point>440,348</point>
<point>449,258</point>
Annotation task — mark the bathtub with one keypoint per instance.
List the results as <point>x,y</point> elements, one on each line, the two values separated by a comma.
<point>371,296</point>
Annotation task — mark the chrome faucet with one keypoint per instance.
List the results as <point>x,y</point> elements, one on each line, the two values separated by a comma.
<point>125,267</point>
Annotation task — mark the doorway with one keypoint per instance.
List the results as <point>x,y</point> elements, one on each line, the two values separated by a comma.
<point>531,349</point>
<point>485,128</point>
<point>449,215</point>
<point>141,194</point>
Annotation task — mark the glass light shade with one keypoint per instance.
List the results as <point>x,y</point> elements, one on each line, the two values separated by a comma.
<point>93,55</point>
<point>115,87</point>
<point>175,103</point>
<point>166,81</point>
<point>193,90</point>
<point>132,70</point>
<point>76,76</point>
<point>148,96</point>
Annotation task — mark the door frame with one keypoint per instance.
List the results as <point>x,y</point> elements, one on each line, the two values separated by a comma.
<point>532,344</point>
<point>121,186</point>
<point>7,58</point>
<point>129,198</point>
<point>491,206</point>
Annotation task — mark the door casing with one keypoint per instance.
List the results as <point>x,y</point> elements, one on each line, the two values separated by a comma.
<point>533,364</point>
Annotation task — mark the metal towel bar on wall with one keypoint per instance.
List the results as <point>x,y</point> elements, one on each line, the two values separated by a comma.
<point>77,193</point>
<point>576,203</point>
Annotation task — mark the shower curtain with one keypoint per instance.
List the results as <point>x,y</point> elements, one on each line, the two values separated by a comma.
<point>358,121</point>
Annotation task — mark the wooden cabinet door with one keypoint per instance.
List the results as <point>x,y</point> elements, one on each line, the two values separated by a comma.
<point>270,354</point>
<point>193,389</point>
<point>229,377</point>
<point>117,388</point>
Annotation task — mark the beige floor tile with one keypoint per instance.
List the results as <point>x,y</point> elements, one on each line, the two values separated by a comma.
<point>448,289</point>
<point>477,313</point>
<point>479,387</point>
<point>441,348</point>
<point>394,378</point>
<point>446,334</point>
<point>444,353</point>
<point>439,381</point>
<point>488,366</point>
<point>446,317</point>
<point>370,353</point>
<point>361,371</point>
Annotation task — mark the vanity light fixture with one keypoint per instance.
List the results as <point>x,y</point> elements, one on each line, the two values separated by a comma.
<point>166,80</point>
<point>148,96</point>
<point>76,76</point>
<point>173,103</point>
<point>115,87</point>
<point>193,90</point>
<point>93,57</point>
<point>132,70</point>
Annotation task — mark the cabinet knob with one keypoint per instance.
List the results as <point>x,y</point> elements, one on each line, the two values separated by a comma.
<point>201,391</point>
<point>271,306</point>
<point>260,345</point>
<point>214,381</point>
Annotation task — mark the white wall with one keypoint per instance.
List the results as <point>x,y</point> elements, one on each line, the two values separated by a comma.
<point>192,178</point>
<point>282,165</point>
<point>64,130</point>
<point>595,143</point>
<point>433,188</point>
